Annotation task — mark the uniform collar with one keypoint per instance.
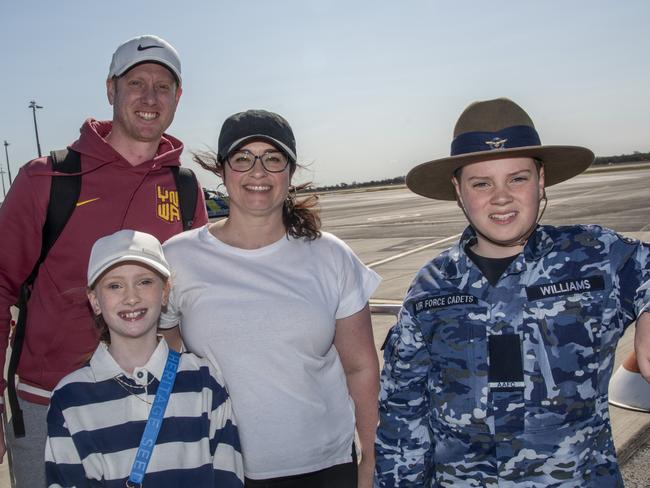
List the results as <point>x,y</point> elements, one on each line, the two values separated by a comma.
<point>458,263</point>
<point>104,367</point>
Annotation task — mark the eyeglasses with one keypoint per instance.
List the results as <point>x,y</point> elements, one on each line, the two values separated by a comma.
<point>272,161</point>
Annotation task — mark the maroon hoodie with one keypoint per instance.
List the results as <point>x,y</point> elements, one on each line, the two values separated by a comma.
<point>60,333</point>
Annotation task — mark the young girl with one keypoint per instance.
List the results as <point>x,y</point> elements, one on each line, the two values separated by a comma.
<point>97,416</point>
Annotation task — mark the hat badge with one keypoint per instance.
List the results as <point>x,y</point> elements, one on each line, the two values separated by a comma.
<point>496,143</point>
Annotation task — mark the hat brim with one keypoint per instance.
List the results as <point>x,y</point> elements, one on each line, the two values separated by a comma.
<point>138,258</point>
<point>433,178</point>
<point>162,62</point>
<point>261,137</point>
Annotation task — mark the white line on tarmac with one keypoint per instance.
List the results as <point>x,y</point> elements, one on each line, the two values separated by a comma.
<point>561,201</point>
<point>413,251</point>
<point>382,218</point>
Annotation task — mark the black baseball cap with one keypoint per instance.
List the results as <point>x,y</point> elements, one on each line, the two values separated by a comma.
<point>243,127</point>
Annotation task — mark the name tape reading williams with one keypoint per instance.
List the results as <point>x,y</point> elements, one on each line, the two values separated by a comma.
<point>566,287</point>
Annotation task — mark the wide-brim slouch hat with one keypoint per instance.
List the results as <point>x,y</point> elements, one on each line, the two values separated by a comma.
<point>495,129</point>
<point>256,125</point>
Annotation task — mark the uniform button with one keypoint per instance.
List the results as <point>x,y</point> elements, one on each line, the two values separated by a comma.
<point>140,374</point>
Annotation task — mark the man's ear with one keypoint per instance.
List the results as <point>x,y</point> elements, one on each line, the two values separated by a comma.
<point>110,89</point>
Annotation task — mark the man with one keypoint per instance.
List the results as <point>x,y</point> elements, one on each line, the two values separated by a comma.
<point>496,372</point>
<point>126,183</point>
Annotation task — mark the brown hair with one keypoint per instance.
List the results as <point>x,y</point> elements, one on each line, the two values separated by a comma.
<point>301,217</point>
<point>102,327</point>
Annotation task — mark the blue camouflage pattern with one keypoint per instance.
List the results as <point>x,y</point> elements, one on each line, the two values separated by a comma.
<point>569,297</point>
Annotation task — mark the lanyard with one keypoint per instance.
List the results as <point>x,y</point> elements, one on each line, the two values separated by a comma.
<point>150,434</point>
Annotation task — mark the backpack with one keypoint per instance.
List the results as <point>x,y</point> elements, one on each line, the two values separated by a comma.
<point>64,194</point>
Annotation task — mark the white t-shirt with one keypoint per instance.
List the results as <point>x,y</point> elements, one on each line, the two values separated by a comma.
<point>267,317</point>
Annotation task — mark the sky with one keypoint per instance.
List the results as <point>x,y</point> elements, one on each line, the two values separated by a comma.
<point>371,88</point>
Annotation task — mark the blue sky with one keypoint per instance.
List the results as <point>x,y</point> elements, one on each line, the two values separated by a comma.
<point>371,88</point>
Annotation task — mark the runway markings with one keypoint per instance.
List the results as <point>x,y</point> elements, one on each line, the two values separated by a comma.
<point>561,201</point>
<point>382,218</point>
<point>413,251</point>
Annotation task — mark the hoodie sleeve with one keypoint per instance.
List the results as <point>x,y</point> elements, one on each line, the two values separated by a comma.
<point>22,215</point>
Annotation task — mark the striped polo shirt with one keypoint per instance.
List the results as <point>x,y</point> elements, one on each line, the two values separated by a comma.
<point>98,413</point>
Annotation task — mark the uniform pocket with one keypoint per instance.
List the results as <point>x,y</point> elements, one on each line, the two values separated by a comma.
<point>565,351</point>
<point>457,340</point>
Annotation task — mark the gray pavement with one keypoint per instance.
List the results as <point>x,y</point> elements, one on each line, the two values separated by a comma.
<point>635,470</point>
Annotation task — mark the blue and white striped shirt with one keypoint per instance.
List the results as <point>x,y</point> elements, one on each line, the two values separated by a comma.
<point>95,424</point>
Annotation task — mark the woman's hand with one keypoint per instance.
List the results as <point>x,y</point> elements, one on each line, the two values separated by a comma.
<point>366,471</point>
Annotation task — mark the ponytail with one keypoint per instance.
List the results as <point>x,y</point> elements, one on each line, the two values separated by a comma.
<point>301,218</point>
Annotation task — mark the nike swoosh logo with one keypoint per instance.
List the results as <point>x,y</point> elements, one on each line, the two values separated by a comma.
<point>79,204</point>
<point>144,48</point>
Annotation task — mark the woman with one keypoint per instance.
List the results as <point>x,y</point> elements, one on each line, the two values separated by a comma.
<point>282,308</point>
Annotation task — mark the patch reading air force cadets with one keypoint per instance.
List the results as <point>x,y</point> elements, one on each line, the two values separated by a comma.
<point>565,287</point>
<point>431,303</point>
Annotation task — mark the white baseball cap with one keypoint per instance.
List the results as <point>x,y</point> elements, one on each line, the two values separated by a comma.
<point>126,245</point>
<point>144,49</point>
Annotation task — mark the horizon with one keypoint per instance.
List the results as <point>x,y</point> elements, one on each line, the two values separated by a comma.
<point>371,89</point>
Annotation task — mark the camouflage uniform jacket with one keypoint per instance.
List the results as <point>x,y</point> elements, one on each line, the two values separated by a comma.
<point>569,297</point>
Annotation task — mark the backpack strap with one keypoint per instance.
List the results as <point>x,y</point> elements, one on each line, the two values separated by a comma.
<point>64,194</point>
<point>187,187</point>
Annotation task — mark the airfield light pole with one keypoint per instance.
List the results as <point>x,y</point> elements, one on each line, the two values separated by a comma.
<point>2,176</point>
<point>33,106</point>
<point>7,159</point>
